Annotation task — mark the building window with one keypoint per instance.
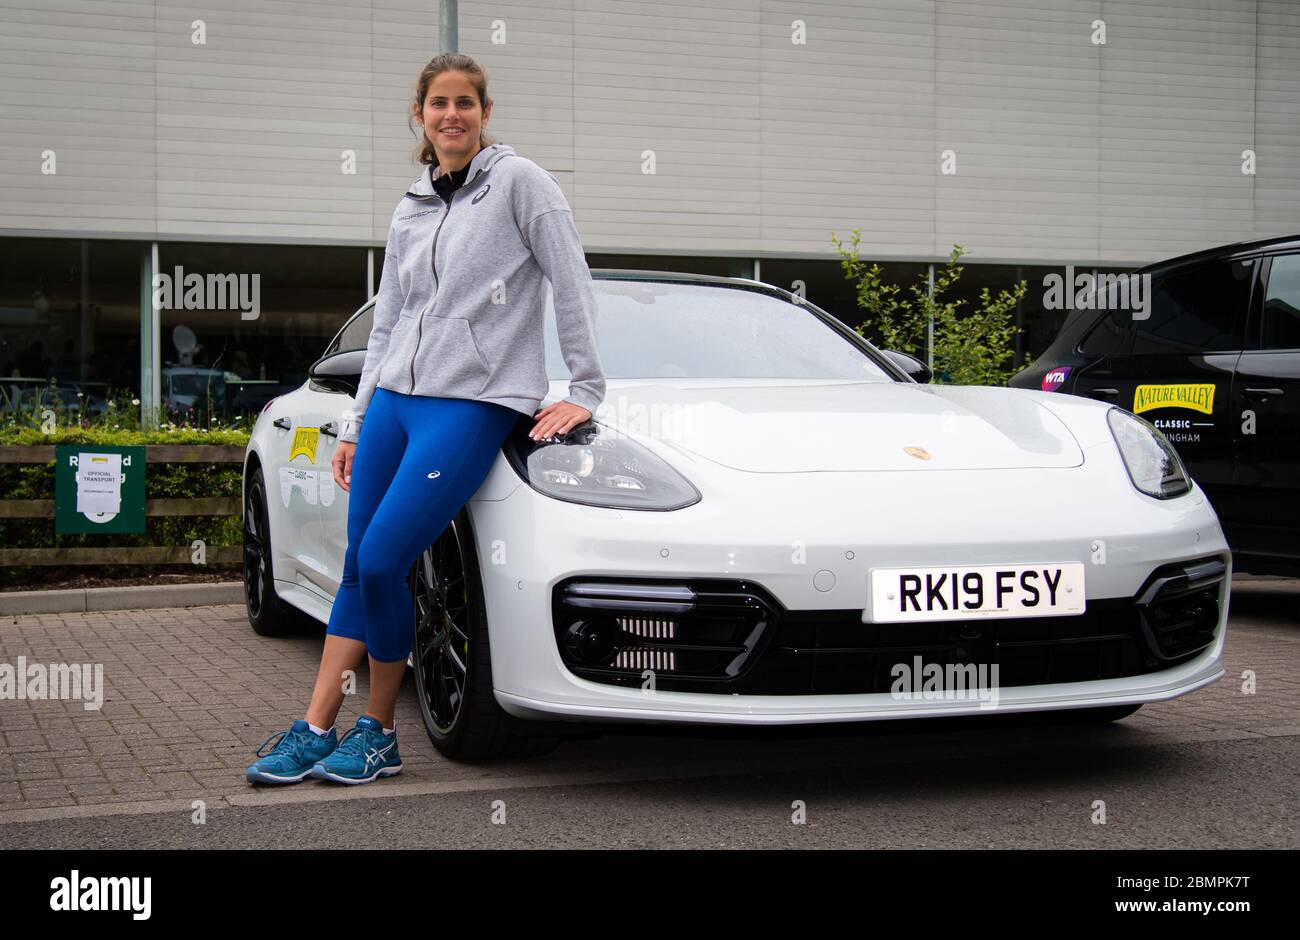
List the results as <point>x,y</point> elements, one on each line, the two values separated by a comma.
<point>69,323</point>
<point>686,264</point>
<point>229,355</point>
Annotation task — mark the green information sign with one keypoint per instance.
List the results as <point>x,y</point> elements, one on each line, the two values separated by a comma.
<point>98,488</point>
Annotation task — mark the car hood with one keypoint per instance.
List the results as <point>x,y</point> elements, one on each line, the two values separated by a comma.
<point>777,427</point>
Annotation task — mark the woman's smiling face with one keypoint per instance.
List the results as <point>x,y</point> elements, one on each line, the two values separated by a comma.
<point>452,118</point>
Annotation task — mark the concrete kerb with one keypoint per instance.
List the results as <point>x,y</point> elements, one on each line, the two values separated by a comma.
<point>131,597</point>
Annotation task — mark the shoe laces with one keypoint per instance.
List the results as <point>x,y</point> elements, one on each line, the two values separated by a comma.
<point>358,740</point>
<point>289,743</point>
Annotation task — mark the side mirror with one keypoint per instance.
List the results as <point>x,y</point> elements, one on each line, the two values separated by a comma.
<point>340,371</point>
<point>914,367</point>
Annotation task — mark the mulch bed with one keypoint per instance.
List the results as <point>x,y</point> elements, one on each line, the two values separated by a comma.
<point>61,578</point>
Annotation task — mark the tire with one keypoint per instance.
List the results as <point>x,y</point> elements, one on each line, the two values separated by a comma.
<point>453,667</point>
<point>267,613</point>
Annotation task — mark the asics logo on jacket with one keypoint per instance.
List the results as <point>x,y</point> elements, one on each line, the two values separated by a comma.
<point>462,297</point>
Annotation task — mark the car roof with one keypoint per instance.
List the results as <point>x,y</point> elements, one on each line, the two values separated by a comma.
<point>630,274</point>
<point>633,274</point>
<point>1276,243</point>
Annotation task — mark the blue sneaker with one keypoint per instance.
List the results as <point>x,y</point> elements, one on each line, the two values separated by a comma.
<point>363,754</point>
<point>293,756</point>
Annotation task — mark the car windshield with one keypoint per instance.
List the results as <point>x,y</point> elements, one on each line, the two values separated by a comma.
<point>649,329</point>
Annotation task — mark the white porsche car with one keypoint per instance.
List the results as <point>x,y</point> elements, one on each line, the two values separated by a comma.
<point>767,521</point>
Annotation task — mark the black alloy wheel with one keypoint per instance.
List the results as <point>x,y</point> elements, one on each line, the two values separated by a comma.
<point>452,659</point>
<point>267,613</point>
<point>441,643</point>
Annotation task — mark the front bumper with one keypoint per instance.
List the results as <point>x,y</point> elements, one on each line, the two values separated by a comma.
<point>809,563</point>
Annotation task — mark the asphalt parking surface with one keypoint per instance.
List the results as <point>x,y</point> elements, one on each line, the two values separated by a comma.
<point>191,693</point>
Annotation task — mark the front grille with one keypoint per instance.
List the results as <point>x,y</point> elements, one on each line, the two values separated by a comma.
<point>647,657</point>
<point>1179,607</point>
<point>614,630</point>
<point>733,637</point>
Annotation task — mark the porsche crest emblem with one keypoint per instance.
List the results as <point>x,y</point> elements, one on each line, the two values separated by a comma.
<point>920,453</point>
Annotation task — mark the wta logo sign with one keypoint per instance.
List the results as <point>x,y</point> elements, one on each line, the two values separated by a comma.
<point>1056,378</point>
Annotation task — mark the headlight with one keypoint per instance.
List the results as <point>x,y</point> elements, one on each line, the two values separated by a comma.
<point>1153,465</point>
<point>595,466</point>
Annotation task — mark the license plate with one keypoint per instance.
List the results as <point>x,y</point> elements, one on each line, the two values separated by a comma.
<point>975,591</point>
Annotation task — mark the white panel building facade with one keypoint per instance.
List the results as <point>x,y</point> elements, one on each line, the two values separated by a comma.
<point>731,136</point>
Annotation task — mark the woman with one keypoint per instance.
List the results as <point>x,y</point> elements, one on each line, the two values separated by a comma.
<point>455,356</point>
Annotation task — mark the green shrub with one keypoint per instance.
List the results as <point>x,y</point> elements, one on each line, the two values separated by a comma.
<point>119,425</point>
<point>971,347</point>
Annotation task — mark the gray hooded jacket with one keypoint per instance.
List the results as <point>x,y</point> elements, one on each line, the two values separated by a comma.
<point>462,296</point>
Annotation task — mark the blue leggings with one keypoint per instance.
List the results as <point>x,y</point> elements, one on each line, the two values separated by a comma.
<point>418,461</point>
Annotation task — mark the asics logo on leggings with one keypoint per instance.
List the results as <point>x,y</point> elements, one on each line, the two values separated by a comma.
<point>434,474</point>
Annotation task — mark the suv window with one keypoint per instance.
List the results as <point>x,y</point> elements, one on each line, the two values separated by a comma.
<point>1282,304</point>
<point>1198,309</point>
<point>1109,337</point>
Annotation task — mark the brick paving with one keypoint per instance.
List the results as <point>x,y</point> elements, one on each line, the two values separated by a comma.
<point>189,694</point>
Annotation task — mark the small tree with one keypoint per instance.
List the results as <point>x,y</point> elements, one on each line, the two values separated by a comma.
<point>971,347</point>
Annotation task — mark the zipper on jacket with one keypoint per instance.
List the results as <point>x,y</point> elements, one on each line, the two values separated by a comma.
<point>433,257</point>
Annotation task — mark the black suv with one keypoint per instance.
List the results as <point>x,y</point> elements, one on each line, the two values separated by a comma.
<point>1211,356</point>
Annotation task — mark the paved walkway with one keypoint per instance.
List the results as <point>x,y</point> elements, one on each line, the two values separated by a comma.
<point>189,694</point>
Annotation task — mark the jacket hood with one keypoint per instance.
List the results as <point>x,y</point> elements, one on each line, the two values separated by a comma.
<point>483,161</point>
<point>437,332</point>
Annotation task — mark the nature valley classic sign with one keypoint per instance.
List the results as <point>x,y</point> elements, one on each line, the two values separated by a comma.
<point>304,442</point>
<point>1193,397</point>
